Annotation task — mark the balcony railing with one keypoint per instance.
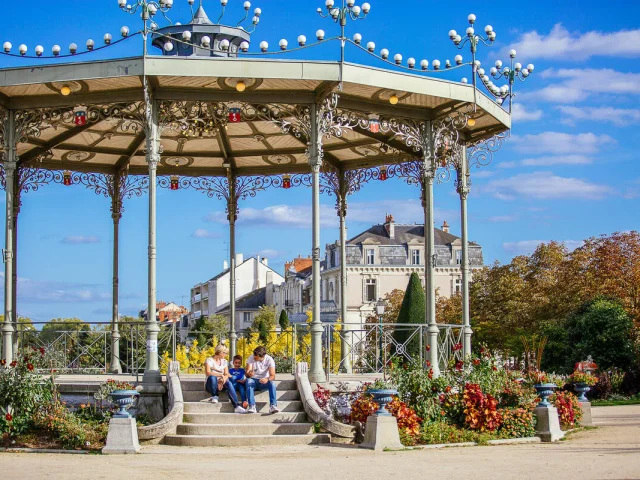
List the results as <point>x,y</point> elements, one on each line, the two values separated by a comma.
<point>205,295</point>
<point>196,314</point>
<point>196,298</point>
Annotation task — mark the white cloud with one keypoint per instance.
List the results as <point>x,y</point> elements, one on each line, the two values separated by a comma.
<point>80,239</point>
<point>559,160</point>
<point>528,246</point>
<point>202,233</point>
<point>556,143</point>
<point>572,85</point>
<point>520,114</point>
<point>562,44</point>
<point>503,218</point>
<point>618,116</point>
<point>39,291</point>
<point>269,253</point>
<point>368,213</point>
<point>545,185</point>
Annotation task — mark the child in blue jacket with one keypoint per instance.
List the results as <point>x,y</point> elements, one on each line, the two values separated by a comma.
<point>238,378</point>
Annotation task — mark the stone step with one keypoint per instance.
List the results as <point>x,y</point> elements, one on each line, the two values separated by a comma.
<point>204,408</point>
<point>245,440</point>
<point>198,384</point>
<point>205,417</point>
<point>246,429</point>
<point>198,395</point>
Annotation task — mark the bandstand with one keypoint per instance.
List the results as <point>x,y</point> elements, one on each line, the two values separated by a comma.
<point>216,114</point>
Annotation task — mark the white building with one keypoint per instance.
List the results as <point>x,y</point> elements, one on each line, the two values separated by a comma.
<point>213,296</point>
<point>382,258</point>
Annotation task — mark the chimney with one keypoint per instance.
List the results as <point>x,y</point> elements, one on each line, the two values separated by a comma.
<point>390,225</point>
<point>265,262</point>
<point>445,227</point>
<point>239,258</point>
<point>269,277</point>
<point>225,265</point>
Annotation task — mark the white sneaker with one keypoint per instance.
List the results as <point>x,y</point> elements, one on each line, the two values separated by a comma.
<point>215,399</point>
<point>239,409</point>
<point>274,409</point>
<point>252,409</point>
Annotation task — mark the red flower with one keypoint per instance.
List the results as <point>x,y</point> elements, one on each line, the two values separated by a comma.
<point>476,362</point>
<point>29,367</point>
<point>13,364</point>
<point>494,368</point>
<point>459,365</point>
<point>41,351</point>
<point>428,347</point>
<point>3,362</point>
<point>430,373</point>
<point>8,417</point>
<point>428,363</point>
<point>448,389</point>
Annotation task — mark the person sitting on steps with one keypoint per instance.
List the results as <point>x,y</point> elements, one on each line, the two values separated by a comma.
<point>261,375</point>
<point>216,369</point>
<point>239,378</point>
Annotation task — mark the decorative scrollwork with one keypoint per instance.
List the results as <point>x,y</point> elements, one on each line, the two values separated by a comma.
<point>345,183</point>
<point>194,119</point>
<point>481,153</point>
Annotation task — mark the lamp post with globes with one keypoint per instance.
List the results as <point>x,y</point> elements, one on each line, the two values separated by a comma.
<point>473,40</point>
<point>510,73</point>
<point>148,9</point>
<point>348,10</point>
<point>380,306</point>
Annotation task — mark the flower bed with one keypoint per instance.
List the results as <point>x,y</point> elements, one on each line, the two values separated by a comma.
<point>473,401</point>
<point>33,416</point>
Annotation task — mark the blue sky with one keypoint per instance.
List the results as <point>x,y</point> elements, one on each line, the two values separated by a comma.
<point>569,170</point>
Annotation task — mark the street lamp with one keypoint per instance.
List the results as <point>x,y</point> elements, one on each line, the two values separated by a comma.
<point>515,70</point>
<point>348,10</point>
<point>380,306</point>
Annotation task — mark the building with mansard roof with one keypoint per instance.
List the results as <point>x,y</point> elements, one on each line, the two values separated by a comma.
<point>382,258</point>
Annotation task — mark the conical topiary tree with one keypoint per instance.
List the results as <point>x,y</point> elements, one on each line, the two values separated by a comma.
<point>412,311</point>
<point>283,320</point>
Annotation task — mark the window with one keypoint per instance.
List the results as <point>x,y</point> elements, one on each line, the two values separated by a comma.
<point>415,257</point>
<point>334,262</point>
<point>370,290</point>
<point>330,291</point>
<point>458,257</point>
<point>371,257</point>
<point>458,286</point>
<point>246,317</point>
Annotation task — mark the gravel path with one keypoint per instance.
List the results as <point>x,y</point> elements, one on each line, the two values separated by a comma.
<point>611,451</point>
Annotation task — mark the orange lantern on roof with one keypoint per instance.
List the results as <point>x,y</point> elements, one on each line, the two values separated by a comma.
<point>383,173</point>
<point>66,178</point>
<point>174,182</point>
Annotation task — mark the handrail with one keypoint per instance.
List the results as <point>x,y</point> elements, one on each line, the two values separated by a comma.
<point>153,434</point>
<point>313,410</point>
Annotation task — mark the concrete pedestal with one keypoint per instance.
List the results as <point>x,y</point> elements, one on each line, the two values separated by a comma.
<point>122,437</point>
<point>548,424</point>
<point>586,414</point>
<point>381,433</point>
<point>152,401</point>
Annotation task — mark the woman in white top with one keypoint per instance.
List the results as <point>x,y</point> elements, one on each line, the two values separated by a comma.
<point>216,369</point>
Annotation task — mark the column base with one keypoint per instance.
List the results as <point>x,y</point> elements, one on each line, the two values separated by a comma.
<point>152,400</point>
<point>587,421</point>
<point>122,438</point>
<point>548,424</point>
<point>381,433</point>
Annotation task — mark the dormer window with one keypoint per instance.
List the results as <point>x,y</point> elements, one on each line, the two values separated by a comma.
<point>415,257</point>
<point>458,257</point>
<point>371,256</point>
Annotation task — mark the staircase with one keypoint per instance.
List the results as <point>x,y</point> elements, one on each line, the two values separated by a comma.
<point>215,425</point>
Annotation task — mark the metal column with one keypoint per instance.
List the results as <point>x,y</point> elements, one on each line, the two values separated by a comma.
<point>116,215</point>
<point>152,371</point>
<point>316,372</point>
<point>463,191</point>
<point>232,215</point>
<point>429,269</point>
<point>10,171</point>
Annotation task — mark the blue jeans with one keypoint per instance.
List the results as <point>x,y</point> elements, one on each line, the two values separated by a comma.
<point>240,386</point>
<point>254,384</point>
<point>212,388</point>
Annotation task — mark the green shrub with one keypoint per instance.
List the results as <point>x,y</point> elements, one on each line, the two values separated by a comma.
<point>517,423</point>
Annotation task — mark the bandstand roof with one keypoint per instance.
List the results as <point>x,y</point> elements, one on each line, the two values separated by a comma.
<point>252,146</point>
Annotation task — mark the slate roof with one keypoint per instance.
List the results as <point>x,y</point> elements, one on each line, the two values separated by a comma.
<point>328,313</point>
<point>251,301</point>
<point>402,234</point>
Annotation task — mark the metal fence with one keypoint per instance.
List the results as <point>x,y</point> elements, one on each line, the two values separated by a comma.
<point>86,348</point>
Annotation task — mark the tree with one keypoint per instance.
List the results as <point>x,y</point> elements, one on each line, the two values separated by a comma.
<point>264,322</point>
<point>449,309</point>
<point>601,328</point>
<point>283,320</point>
<point>211,329</point>
<point>412,311</point>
